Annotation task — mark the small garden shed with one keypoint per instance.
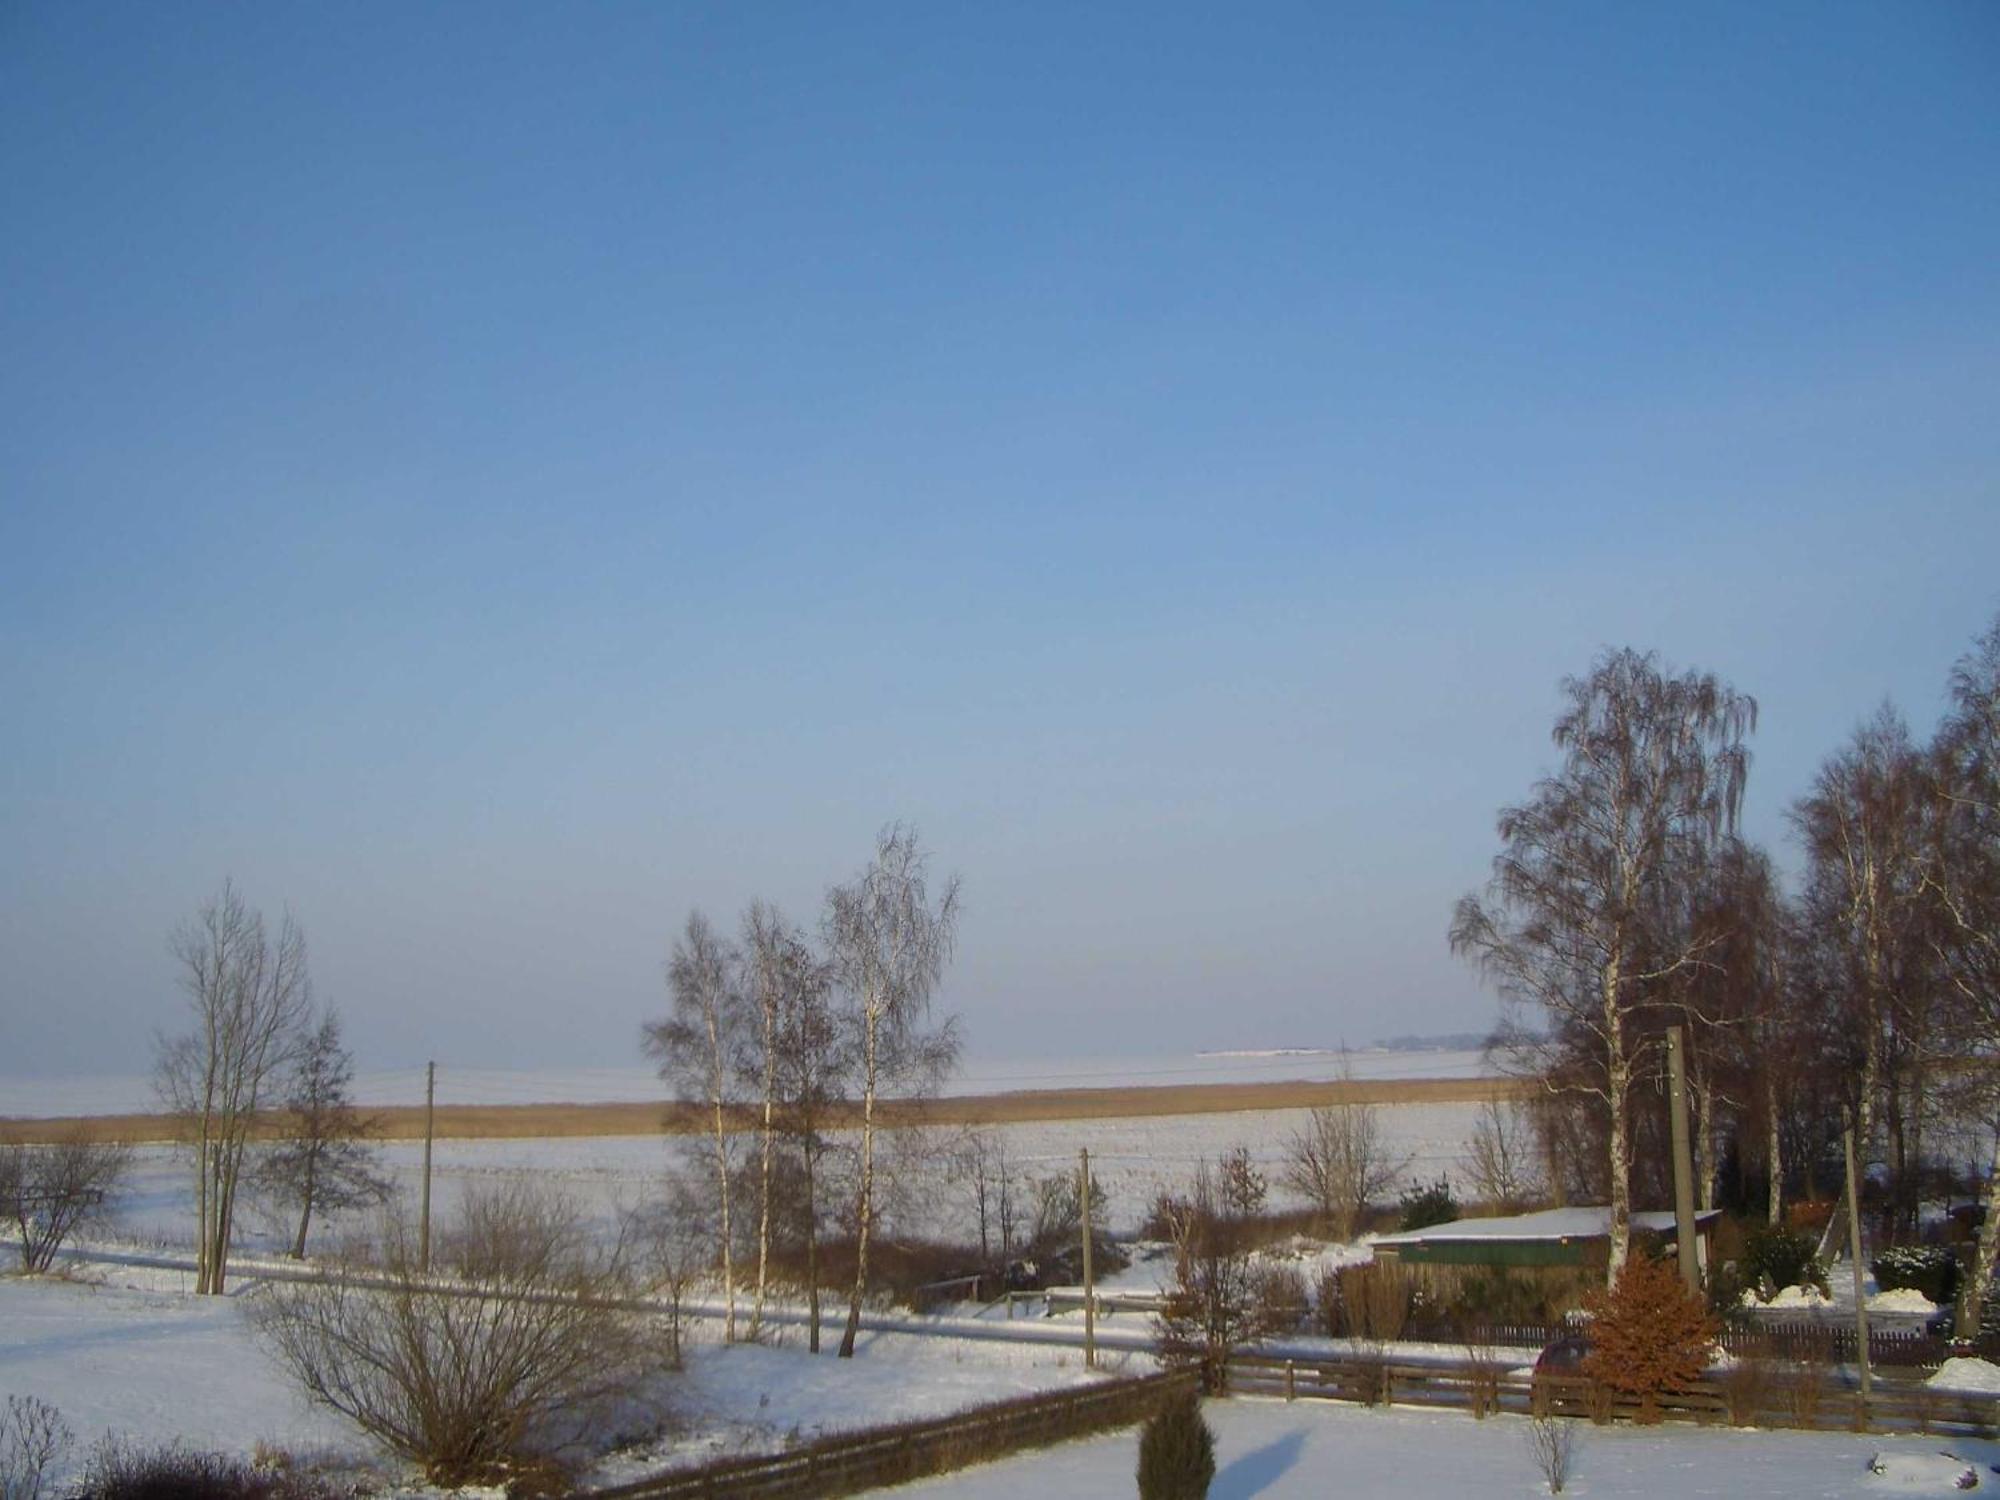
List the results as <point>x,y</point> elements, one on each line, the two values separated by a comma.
<point>1565,1237</point>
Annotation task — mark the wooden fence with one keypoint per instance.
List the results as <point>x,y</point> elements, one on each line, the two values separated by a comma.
<point>1752,1395</point>
<point>852,1462</point>
<point>1822,1342</point>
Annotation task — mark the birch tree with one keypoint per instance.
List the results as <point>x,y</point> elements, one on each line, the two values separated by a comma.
<point>1964,880</point>
<point>250,996</point>
<point>1860,828</point>
<point>889,943</point>
<point>783,980</point>
<point>696,1049</point>
<point>812,1059</point>
<point>1650,763</point>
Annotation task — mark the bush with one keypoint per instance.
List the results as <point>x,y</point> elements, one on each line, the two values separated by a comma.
<point>1176,1452</point>
<point>1777,1258</point>
<point>1277,1297</point>
<point>121,1471</point>
<point>34,1440</point>
<point>1648,1334</point>
<point>1428,1203</point>
<point>1930,1269</point>
<point>505,1354</point>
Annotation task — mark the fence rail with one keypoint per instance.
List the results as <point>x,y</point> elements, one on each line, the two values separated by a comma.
<point>1821,1342</point>
<point>1753,1395</point>
<point>856,1461</point>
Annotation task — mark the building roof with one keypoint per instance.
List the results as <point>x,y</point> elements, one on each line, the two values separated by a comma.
<point>1587,1223</point>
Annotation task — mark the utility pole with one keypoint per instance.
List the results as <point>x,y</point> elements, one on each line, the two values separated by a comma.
<point>1089,1284</point>
<point>430,1132</point>
<point>1677,1115</point>
<point>1854,1255</point>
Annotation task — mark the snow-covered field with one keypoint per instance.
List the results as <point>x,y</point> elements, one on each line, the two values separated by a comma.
<point>1307,1451</point>
<point>1133,1159</point>
<point>125,1094</point>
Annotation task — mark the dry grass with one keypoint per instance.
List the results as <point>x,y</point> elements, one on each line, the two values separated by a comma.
<point>527,1121</point>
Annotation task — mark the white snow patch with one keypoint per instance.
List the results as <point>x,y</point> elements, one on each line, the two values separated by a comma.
<point>1902,1299</point>
<point>1923,1473</point>
<point>1966,1374</point>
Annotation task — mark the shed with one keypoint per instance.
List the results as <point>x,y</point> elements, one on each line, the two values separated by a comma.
<point>1553,1237</point>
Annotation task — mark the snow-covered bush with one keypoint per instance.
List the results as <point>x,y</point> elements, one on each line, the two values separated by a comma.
<point>1775,1258</point>
<point>1176,1452</point>
<point>1930,1269</point>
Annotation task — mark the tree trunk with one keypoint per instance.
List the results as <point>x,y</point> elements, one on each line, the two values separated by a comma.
<point>305,1205</point>
<point>1973,1302</point>
<point>1774,1151</point>
<point>1618,1069</point>
<point>728,1241</point>
<point>1704,1143</point>
<point>865,1216</point>
<point>764,1173</point>
<point>812,1255</point>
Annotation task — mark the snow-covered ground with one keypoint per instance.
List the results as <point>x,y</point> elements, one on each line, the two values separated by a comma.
<point>155,1366</point>
<point>1308,1450</point>
<point>131,1093</point>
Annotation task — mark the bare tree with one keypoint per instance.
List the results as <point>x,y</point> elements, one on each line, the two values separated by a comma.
<point>889,943</point>
<point>47,1192</point>
<point>1212,1306</point>
<point>250,997</point>
<point>1963,879</point>
<point>696,1048</point>
<point>1340,1163</point>
<point>1501,1156</point>
<point>1651,764</point>
<point>784,980</point>
<point>1861,826</point>
<point>812,1065</point>
<point>322,1163</point>
<point>511,1347</point>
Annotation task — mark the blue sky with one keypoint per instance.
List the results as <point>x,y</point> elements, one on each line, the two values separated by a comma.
<point>493,477</point>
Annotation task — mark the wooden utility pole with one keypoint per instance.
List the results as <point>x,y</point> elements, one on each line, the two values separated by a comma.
<point>1089,1284</point>
<point>1677,1115</point>
<point>430,1131</point>
<point>1854,1255</point>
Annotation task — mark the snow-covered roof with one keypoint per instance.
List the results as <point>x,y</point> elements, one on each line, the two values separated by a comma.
<point>1588,1223</point>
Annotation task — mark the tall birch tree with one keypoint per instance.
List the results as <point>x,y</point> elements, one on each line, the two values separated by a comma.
<point>1964,881</point>
<point>889,942</point>
<point>697,1048</point>
<point>783,979</point>
<point>1651,763</point>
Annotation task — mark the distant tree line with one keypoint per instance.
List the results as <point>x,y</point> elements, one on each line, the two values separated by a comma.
<point>1625,899</point>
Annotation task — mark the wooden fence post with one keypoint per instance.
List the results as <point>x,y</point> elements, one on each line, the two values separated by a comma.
<point>1291,1392</point>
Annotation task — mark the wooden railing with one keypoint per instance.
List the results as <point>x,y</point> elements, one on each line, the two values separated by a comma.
<point>1824,1342</point>
<point>1752,1395</point>
<point>852,1462</point>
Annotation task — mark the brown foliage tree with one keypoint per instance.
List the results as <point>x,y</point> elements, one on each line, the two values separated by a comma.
<point>1648,1333</point>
